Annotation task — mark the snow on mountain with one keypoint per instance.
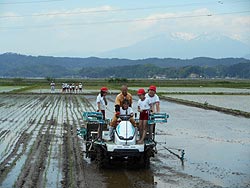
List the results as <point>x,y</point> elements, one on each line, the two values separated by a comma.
<point>182,46</point>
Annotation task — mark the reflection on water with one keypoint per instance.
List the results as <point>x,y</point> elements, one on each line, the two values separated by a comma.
<point>217,145</point>
<point>198,90</point>
<point>121,176</point>
<point>238,102</point>
<point>217,151</point>
<point>9,88</point>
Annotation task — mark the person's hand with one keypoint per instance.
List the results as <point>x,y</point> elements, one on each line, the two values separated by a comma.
<point>131,115</point>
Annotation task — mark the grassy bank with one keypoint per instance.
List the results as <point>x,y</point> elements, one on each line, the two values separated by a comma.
<point>116,83</point>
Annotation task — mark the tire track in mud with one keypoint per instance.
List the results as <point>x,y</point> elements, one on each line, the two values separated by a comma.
<point>39,126</point>
<point>13,128</point>
<point>89,106</point>
<point>53,165</point>
<point>10,111</point>
<point>18,112</point>
<point>19,107</point>
<point>46,132</point>
<point>171,177</point>
<point>31,175</point>
<point>6,165</point>
<point>76,171</point>
<point>12,162</point>
<point>80,108</point>
<point>73,163</point>
<point>16,128</point>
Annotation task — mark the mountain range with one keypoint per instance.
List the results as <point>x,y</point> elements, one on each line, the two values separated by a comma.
<point>18,65</point>
<point>162,46</point>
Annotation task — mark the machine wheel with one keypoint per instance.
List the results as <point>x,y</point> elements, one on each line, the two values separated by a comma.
<point>101,159</point>
<point>144,161</point>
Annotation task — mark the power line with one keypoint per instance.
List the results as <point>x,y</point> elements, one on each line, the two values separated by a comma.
<point>123,21</point>
<point>105,11</point>
<point>28,2</point>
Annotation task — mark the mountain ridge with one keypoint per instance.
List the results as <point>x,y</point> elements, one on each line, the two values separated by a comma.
<point>18,65</point>
<point>205,45</point>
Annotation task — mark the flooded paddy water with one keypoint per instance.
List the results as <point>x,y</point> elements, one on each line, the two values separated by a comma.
<point>9,88</point>
<point>199,90</point>
<point>239,102</point>
<point>217,145</point>
<point>39,146</point>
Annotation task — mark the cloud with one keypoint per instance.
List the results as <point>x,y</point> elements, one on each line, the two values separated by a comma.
<point>187,25</point>
<point>8,18</point>
<point>183,35</point>
<point>77,14</point>
<point>165,17</point>
<point>137,26</point>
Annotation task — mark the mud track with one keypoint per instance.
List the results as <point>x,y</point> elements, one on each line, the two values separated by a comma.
<point>36,137</point>
<point>39,146</point>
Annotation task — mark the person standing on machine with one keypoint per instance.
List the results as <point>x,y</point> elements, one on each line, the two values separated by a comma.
<point>144,107</point>
<point>155,101</point>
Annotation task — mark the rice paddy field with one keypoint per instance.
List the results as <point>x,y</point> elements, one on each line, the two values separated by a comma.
<point>39,146</point>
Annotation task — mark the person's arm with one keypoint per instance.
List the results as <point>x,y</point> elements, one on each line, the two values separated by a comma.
<point>138,106</point>
<point>130,101</point>
<point>131,113</point>
<point>157,105</point>
<point>98,102</point>
<point>117,100</point>
<point>139,109</point>
<point>105,100</point>
<point>98,106</point>
<point>151,105</point>
<point>151,108</point>
<point>117,104</point>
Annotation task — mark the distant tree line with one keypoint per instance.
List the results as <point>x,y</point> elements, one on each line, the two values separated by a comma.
<point>241,70</point>
<point>16,65</point>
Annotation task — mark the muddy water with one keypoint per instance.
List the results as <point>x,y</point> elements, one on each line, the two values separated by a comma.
<point>217,151</point>
<point>217,145</point>
<point>238,102</point>
<point>198,90</point>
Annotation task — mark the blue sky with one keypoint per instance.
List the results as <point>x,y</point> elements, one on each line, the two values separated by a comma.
<point>85,28</point>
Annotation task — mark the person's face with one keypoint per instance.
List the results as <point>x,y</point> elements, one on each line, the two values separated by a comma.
<point>125,106</point>
<point>141,96</point>
<point>124,91</point>
<point>104,93</point>
<point>151,92</point>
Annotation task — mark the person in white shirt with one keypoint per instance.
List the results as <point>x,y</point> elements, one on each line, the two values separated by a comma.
<point>52,87</point>
<point>124,110</point>
<point>153,97</point>
<point>144,107</point>
<point>155,101</point>
<point>101,101</point>
<point>80,87</point>
<point>76,88</point>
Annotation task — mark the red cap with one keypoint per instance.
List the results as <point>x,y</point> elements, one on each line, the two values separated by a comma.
<point>104,89</point>
<point>141,91</point>
<point>152,87</point>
